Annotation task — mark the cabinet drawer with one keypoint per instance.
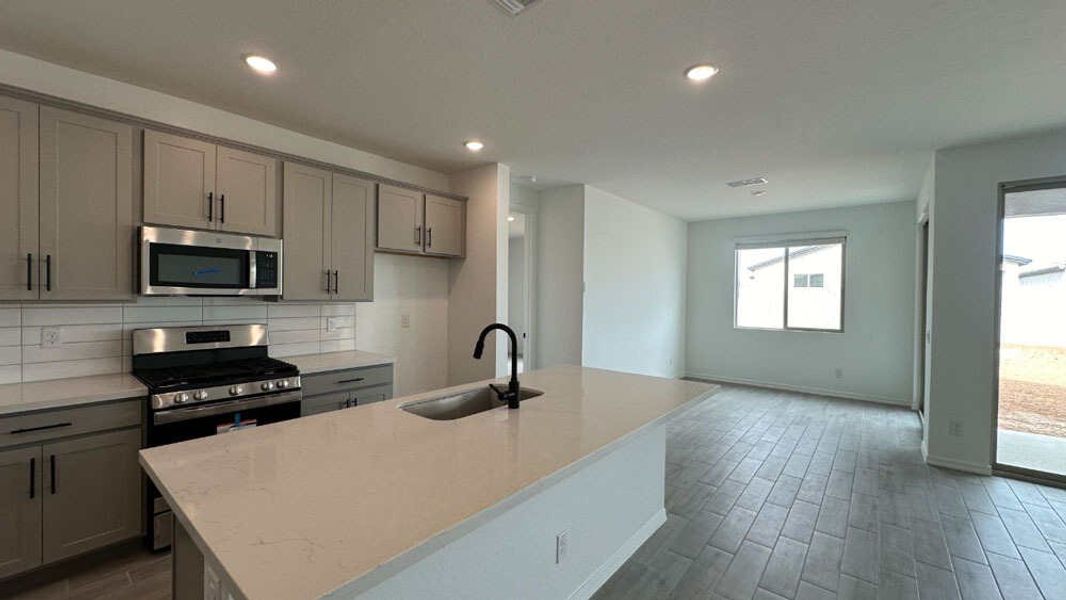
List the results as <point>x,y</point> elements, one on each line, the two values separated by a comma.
<point>348,379</point>
<point>51,424</point>
<point>313,405</point>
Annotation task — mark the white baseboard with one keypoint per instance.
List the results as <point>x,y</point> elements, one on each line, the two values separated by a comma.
<point>620,556</point>
<point>957,465</point>
<point>785,387</point>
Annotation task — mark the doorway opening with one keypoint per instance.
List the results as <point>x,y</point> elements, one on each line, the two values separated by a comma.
<point>923,318</point>
<point>520,269</point>
<point>1030,434</point>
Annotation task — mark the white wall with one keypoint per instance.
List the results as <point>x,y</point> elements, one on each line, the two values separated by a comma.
<point>478,282</point>
<point>560,264</point>
<point>416,287</point>
<point>634,304</point>
<point>963,308</point>
<point>875,352</point>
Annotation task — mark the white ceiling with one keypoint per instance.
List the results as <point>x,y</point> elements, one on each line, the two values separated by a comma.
<point>836,101</point>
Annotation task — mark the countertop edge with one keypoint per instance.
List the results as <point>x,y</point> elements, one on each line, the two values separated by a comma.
<point>398,563</point>
<point>121,392</point>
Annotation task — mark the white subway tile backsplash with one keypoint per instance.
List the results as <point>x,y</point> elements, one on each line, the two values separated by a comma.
<point>95,339</point>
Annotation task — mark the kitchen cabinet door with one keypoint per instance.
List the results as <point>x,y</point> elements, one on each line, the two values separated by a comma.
<point>247,189</point>
<point>20,510</point>
<point>179,181</point>
<point>399,219</point>
<point>91,492</point>
<point>352,253</point>
<point>87,231</point>
<point>445,225</point>
<point>308,194</point>
<point>18,200</point>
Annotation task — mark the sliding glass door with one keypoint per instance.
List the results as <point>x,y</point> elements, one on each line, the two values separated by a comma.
<point>1031,413</point>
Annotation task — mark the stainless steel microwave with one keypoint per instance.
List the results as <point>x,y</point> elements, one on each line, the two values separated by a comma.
<point>187,262</point>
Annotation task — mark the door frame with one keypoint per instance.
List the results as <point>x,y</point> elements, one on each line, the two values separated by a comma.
<point>999,468</point>
<point>919,400</point>
<point>529,243</point>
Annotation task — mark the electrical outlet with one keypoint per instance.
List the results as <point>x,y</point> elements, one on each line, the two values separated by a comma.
<point>955,428</point>
<point>839,373</point>
<point>332,323</point>
<point>562,547</point>
<point>405,321</point>
<point>50,336</point>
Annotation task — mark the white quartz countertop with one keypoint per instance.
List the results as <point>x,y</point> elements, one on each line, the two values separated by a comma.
<point>63,393</point>
<point>300,508</point>
<point>335,361</point>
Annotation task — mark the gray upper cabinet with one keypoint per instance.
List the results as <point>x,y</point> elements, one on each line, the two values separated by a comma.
<point>92,493</point>
<point>192,183</point>
<point>20,510</point>
<point>308,193</point>
<point>18,201</point>
<point>179,181</point>
<point>445,222</point>
<point>352,253</point>
<point>400,214</point>
<point>86,207</point>
<point>247,187</point>
<point>411,222</point>
<point>328,255</point>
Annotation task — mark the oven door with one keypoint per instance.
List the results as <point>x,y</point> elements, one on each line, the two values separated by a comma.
<point>188,262</point>
<point>182,424</point>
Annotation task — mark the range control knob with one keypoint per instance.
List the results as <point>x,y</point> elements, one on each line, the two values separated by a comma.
<point>181,398</point>
<point>235,390</point>
<point>283,383</point>
<point>200,395</point>
<point>267,386</point>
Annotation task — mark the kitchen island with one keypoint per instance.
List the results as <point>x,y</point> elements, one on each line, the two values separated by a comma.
<point>375,502</point>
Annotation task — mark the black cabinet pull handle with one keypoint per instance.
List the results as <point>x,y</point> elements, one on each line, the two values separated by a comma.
<point>48,272</point>
<point>355,380</point>
<point>33,478</point>
<point>429,237</point>
<point>52,459</point>
<point>222,208</point>
<point>40,428</point>
<point>336,281</point>
<point>210,206</point>
<point>418,235</point>
<point>29,271</point>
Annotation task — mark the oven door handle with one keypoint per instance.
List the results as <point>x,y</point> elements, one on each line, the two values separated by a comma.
<point>176,415</point>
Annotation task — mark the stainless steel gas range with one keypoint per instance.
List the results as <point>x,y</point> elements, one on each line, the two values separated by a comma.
<point>207,381</point>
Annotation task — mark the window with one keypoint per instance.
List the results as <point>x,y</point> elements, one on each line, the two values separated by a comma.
<point>813,301</point>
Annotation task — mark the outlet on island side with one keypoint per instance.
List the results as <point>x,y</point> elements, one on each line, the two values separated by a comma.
<point>50,336</point>
<point>405,321</point>
<point>562,547</point>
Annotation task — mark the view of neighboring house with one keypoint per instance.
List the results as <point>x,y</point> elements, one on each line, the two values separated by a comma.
<point>1031,291</point>
<point>813,283</point>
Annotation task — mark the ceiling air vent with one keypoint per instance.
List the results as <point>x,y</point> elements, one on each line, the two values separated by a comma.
<point>514,6</point>
<point>747,182</point>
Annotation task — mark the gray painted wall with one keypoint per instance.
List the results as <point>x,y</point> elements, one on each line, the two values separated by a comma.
<point>876,351</point>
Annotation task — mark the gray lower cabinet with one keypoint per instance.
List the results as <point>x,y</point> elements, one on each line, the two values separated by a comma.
<point>93,493</point>
<point>69,483</point>
<point>335,390</point>
<point>20,510</point>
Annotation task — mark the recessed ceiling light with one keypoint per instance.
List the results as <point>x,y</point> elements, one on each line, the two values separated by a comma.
<point>758,192</point>
<point>510,217</point>
<point>701,73</point>
<point>260,64</point>
<point>474,145</point>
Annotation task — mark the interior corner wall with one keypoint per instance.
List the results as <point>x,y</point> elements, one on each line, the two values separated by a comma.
<point>54,80</point>
<point>875,353</point>
<point>964,247</point>
<point>560,261</point>
<point>633,316</point>
<point>477,294</point>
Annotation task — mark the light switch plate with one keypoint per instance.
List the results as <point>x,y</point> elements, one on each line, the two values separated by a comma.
<point>50,336</point>
<point>405,321</point>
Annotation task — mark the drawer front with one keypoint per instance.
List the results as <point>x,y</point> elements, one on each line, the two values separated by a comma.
<point>348,379</point>
<point>52,424</point>
<point>313,405</point>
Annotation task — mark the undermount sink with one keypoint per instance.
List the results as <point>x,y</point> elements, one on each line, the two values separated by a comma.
<point>457,406</point>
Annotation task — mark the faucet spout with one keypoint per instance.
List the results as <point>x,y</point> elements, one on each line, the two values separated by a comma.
<point>511,394</point>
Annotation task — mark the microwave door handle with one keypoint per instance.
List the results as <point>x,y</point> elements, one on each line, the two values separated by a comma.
<point>251,269</point>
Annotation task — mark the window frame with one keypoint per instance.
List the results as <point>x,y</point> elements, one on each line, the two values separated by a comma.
<point>786,244</point>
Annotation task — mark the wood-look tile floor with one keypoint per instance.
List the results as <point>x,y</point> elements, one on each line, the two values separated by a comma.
<point>126,573</point>
<point>774,495</point>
